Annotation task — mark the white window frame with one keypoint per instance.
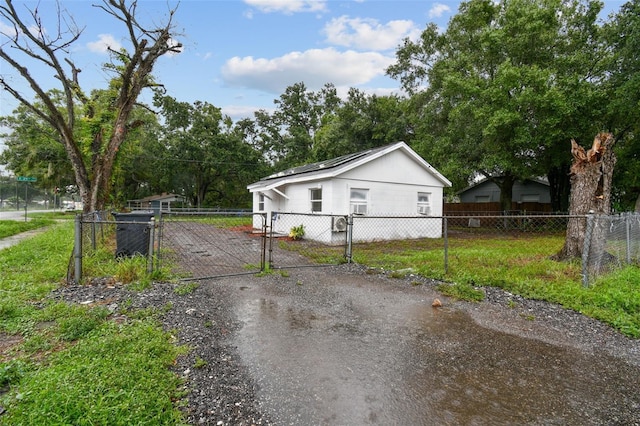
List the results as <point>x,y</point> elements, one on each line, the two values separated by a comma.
<point>424,203</point>
<point>358,205</point>
<point>261,198</point>
<point>315,204</point>
<point>530,198</point>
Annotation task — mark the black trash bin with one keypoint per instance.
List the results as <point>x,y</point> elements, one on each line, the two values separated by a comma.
<point>132,233</point>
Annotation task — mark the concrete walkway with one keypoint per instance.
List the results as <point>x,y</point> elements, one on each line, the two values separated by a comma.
<point>17,215</point>
<point>15,239</point>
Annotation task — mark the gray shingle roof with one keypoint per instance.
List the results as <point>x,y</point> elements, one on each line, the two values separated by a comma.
<point>324,165</point>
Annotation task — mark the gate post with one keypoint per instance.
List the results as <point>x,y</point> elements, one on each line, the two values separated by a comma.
<point>269,264</point>
<point>150,253</point>
<point>349,248</point>
<point>263,252</point>
<point>446,244</point>
<point>627,226</point>
<point>77,249</point>
<point>586,245</point>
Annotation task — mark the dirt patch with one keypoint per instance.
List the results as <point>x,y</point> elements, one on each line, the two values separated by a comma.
<point>7,342</point>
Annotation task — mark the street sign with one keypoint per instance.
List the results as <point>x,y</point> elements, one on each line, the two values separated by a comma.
<point>26,179</point>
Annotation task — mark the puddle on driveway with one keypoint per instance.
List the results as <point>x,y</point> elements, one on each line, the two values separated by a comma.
<point>366,355</point>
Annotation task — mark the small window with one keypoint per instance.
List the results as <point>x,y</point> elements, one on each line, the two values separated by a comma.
<point>424,203</point>
<point>316,200</point>
<point>530,198</point>
<point>260,202</point>
<point>358,200</point>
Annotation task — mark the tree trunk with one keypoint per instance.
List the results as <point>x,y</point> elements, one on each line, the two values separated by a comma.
<point>559,186</point>
<point>505,185</point>
<point>591,176</point>
<point>93,178</point>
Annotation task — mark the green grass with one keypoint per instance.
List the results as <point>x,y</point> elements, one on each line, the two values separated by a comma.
<point>117,375</point>
<point>221,221</point>
<point>13,227</point>
<point>71,364</point>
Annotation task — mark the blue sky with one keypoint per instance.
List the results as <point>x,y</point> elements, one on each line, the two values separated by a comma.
<point>240,55</point>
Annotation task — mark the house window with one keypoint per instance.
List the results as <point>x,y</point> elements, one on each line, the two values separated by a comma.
<point>530,198</point>
<point>316,200</point>
<point>358,200</point>
<point>424,203</point>
<point>261,202</point>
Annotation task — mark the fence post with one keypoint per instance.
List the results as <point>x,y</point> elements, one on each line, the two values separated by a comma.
<point>160,236</point>
<point>93,231</point>
<point>627,224</point>
<point>270,261</point>
<point>77,249</point>
<point>445,231</point>
<point>586,245</point>
<point>263,254</point>
<point>349,252</point>
<point>150,254</point>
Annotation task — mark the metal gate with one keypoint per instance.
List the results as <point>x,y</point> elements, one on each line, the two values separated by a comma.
<point>206,244</point>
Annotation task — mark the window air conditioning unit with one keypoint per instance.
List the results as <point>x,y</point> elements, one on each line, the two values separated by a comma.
<point>339,224</point>
<point>424,210</point>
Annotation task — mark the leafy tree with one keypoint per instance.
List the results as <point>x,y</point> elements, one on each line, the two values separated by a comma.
<point>504,88</point>
<point>208,161</point>
<point>91,145</point>
<point>299,112</point>
<point>362,121</point>
<point>33,148</point>
<point>623,89</point>
<point>286,137</point>
<point>141,165</point>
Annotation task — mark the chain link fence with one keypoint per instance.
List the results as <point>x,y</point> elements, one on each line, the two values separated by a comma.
<point>104,235</point>
<point>200,244</point>
<point>298,240</point>
<point>206,244</point>
<point>611,242</point>
<point>434,243</point>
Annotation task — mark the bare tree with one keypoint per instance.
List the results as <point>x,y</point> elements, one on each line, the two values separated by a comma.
<point>591,178</point>
<point>29,40</point>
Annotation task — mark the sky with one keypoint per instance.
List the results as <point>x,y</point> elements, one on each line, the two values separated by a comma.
<point>240,55</point>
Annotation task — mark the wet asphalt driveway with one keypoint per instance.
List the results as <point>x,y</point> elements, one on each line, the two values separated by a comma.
<point>339,346</point>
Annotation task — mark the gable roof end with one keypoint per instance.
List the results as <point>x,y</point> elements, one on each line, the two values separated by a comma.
<point>336,166</point>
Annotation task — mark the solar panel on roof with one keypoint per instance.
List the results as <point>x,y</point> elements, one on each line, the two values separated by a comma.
<point>322,165</point>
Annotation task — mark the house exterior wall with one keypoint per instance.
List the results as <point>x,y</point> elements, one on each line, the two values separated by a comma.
<point>488,192</point>
<point>392,181</point>
<point>365,228</point>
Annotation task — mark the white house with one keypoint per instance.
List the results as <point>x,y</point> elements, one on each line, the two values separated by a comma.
<point>387,181</point>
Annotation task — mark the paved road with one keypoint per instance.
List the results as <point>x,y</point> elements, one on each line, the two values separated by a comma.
<point>19,214</point>
<point>354,349</point>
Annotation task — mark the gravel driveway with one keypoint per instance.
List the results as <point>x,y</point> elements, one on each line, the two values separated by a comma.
<point>348,346</point>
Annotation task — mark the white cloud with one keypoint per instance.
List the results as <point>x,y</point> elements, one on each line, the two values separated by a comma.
<point>238,112</point>
<point>104,42</point>
<point>369,33</point>
<point>173,43</point>
<point>288,7</point>
<point>10,31</point>
<point>314,67</point>
<point>438,10</point>
<point>6,29</point>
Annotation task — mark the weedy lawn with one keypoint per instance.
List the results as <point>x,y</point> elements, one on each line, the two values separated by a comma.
<point>69,364</point>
